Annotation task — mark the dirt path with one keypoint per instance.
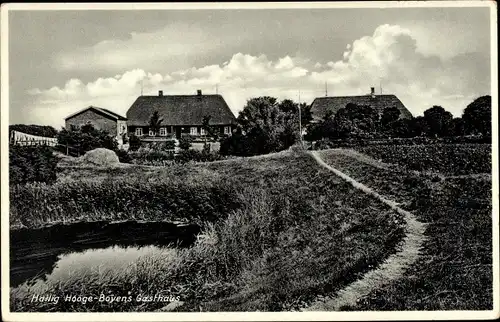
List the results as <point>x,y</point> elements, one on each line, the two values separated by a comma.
<point>389,271</point>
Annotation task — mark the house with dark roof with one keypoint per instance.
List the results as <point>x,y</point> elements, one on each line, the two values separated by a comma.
<point>321,105</point>
<point>100,118</point>
<point>180,114</point>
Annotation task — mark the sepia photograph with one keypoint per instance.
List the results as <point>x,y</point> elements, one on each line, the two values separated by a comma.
<point>238,161</point>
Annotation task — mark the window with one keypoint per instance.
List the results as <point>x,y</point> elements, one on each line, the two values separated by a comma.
<point>163,131</point>
<point>202,131</point>
<point>123,129</point>
<point>151,133</point>
<point>194,130</point>
<point>138,131</point>
<point>227,130</point>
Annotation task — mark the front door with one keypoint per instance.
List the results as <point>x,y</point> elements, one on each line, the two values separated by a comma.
<point>178,131</point>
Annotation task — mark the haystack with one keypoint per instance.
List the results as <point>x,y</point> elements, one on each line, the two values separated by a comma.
<point>101,156</point>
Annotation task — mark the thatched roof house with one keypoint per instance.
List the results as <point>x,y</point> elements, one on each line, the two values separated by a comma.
<point>321,105</point>
<point>180,114</point>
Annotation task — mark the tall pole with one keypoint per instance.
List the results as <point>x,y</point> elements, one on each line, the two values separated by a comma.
<point>326,89</point>
<point>300,122</point>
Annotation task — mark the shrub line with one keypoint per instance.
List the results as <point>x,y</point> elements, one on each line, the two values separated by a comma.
<point>392,268</point>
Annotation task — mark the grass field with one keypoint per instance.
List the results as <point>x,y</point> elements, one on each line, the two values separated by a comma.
<point>278,231</point>
<point>455,269</point>
<point>449,159</point>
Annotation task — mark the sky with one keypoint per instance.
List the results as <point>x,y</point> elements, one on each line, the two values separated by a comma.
<point>63,61</point>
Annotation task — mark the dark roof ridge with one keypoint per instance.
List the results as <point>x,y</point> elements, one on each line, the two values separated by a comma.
<point>183,95</point>
<point>118,116</point>
<point>320,105</point>
<point>99,109</point>
<point>365,95</point>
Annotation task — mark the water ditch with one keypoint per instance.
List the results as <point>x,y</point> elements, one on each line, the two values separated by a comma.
<point>58,249</point>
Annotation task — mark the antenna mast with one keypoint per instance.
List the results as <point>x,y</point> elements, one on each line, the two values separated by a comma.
<point>326,89</point>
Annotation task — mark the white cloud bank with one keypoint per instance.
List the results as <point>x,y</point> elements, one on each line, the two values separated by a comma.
<point>389,57</point>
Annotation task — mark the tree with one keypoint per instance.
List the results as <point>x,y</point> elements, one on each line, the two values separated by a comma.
<point>355,121</point>
<point>235,144</point>
<point>389,116</point>
<point>457,127</point>
<point>438,120</point>
<point>477,116</point>
<point>155,122</point>
<point>306,114</point>
<point>402,128</point>
<point>323,129</point>
<point>264,125</point>
<point>291,132</point>
<point>86,138</point>
<point>419,126</point>
<point>211,131</point>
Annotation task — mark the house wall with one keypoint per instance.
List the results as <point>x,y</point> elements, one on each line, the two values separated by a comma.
<point>172,130</point>
<point>121,127</point>
<point>97,120</point>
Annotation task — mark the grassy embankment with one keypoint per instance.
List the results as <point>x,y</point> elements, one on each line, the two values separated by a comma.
<point>282,231</point>
<point>455,270</point>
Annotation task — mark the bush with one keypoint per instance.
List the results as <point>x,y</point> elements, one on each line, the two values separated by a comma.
<point>134,142</point>
<point>123,156</point>
<point>86,138</point>
<point>323,144</point>
<point>169,145</point>
<point>188,155</point>
<point>150,156</point>
<point>235,144</point>
<point>40,130</point>
<point>160,199</point>
<point>185,142</point>
<point>197,156</point>
<point>31,164</point>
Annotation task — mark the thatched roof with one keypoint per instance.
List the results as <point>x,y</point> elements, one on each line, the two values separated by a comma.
<point>99,110</point>
<point>321,105</point>
<point>180,110</point>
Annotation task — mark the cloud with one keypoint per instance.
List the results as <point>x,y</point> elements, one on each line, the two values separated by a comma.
<point>390,57</point>
<point>141,50</point>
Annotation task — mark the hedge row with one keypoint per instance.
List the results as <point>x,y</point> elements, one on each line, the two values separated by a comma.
<point>31,164</point>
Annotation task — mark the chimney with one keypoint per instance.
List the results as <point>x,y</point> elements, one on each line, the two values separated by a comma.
<point>373,91</point>
<point>199,92</point>
<point>160,93</point>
